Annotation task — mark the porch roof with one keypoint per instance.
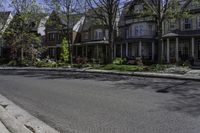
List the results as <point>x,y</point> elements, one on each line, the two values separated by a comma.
<point>92,43</point>
<point>185,33</point>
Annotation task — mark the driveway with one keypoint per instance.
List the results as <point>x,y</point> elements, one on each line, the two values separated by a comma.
<point>97,103</point>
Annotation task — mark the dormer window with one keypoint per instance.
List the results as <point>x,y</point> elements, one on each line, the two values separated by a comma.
<point>188,24</point>
<point>138,8</point>
<point>98,34</point>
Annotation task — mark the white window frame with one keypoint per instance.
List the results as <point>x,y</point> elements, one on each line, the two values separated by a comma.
<point>187,21</point>
<point>98,34</point>
<point>198,22</point>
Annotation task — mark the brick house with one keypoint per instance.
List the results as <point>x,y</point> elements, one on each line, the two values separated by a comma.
<point>55,31</point>
<point>93,40</point>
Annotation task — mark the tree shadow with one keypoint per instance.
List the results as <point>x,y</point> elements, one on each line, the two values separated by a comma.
<point>186,94</point>
<point>46,75</point>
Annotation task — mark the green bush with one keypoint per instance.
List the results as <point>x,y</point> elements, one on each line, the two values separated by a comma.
<point>12,63</point>
<point>157,67</point>
<point>44,63</point>
<point>3,61</point>
<point>119,61</point>
<point>122,67</point>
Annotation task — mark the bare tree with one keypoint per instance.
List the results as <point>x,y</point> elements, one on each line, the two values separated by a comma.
<point>107,11</point>
<point>162,10</point>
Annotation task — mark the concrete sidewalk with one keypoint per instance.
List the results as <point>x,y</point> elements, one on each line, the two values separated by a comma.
<point>190,75</point>
<point>13,119</point>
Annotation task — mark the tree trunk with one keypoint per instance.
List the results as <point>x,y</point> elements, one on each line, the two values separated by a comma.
<point>22,54</point>
<point>160,41</point>
<point>110,46</point>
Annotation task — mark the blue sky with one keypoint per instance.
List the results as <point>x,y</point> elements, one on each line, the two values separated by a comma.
<point>7,4</point>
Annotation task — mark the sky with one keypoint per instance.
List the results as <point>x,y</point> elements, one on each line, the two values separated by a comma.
<point>8,8</point>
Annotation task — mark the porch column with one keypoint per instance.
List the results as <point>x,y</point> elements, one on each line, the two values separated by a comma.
<point>121,50</point>
<point>162,50</point>
<point>177,43</point>
<point>153,50</point>
<point>126,49</point>
<point>168,58</point>
<point>82,51</point>
<point>140,48</point>
<point>193,47</point>
<point>97,51</point>
<point>86,51</point>
<point>76,51</point>
<point>114,50</point>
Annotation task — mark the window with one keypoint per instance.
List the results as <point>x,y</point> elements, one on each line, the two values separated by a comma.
<point>141,30</point>
<point>51,36</point>
<point>136,31</point>
<point>198,22</point>
<point>172,25</point>
<point>188,24</point>
<point>86,35</point>
<point>138,8</point>
<point>98,34</point>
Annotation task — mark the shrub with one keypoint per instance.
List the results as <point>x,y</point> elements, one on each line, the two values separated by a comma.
<point>12,63</point>
<point>157,67</point>
<point>44,63</point>
<point>119,61</point>
<point>64,51</point>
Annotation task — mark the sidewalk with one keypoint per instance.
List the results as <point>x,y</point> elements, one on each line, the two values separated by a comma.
<point>13,119</point>
<point>190,75</point>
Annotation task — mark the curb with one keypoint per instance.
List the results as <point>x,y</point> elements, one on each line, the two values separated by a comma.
<point>137,74</point>
<point>11,123</point>
<point>17,120</point>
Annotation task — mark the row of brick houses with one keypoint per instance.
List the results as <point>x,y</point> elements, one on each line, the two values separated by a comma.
<point>135,36</point>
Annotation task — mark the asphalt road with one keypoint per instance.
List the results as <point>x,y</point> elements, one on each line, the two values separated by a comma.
<point>91,103</point>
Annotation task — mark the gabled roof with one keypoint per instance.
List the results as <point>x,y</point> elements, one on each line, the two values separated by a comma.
<point>4,16</point>
<point>74,18</point>
<point>41,26</point>
<point>79,25</point>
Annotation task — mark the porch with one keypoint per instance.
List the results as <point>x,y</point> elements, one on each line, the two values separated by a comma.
<point>177,49</point>
<point>141,48</point>
<point>92,52</point>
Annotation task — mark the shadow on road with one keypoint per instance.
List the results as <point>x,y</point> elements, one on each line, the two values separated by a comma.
<point>65,75</point>
<point>186,94</point>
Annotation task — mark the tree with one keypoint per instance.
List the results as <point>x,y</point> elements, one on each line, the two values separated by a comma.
<point>162,10</point>
<point>64,50</point>
<point>106,11</point>
<point>20,33</point>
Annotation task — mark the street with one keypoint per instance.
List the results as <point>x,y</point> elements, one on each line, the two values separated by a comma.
<point>96,103</point>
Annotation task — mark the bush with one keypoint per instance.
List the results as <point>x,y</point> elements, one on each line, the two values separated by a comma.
<point>122,67</point>
<point>157,67</point>
<point>119,61</point>
<point>45,63</point>
<point>12,63</point>
<point>3,61</point>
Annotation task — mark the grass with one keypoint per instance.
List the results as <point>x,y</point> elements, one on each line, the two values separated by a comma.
<point>120,67</point>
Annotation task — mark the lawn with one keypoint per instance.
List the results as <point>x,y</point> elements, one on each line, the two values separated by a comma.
<point>120,67</point>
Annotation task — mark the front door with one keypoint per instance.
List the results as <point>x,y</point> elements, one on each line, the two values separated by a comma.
<point>198,49</point>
